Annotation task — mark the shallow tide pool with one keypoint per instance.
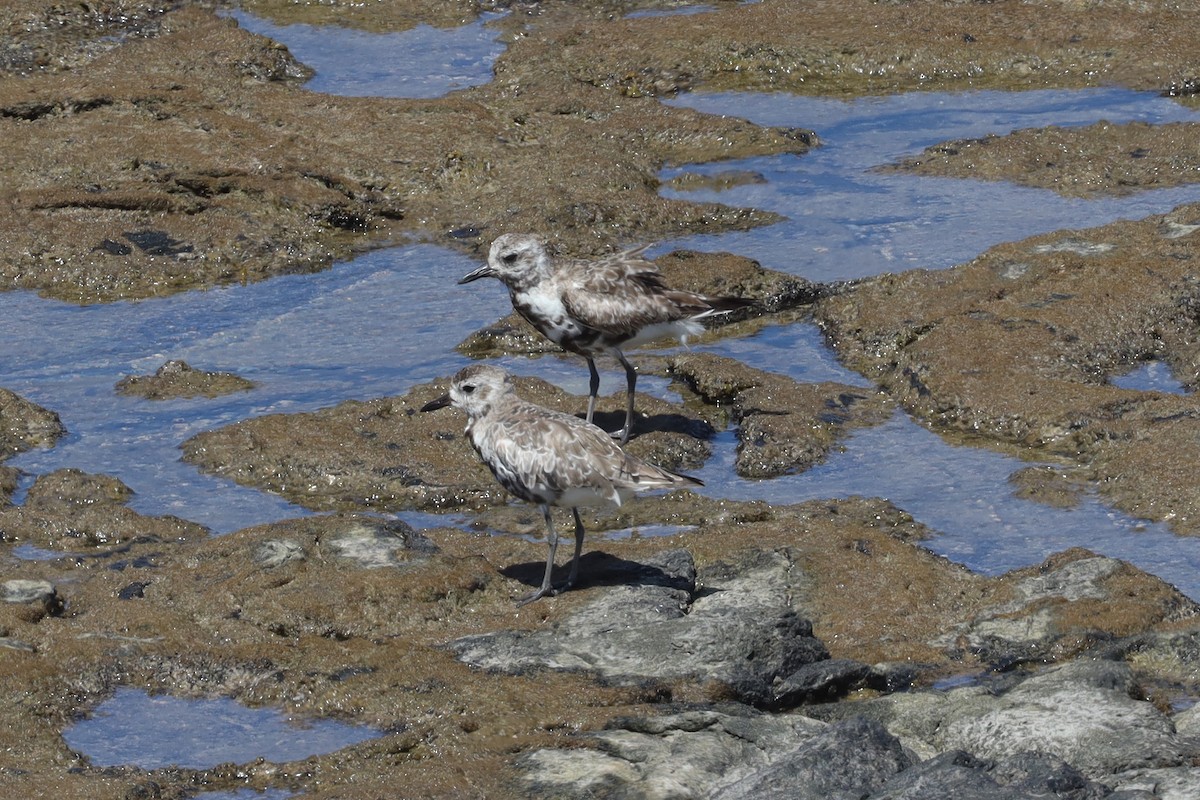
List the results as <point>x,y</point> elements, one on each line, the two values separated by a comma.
<point>156,731</point>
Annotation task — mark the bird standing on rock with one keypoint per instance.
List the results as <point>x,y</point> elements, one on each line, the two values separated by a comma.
<point>597,307</point>
<point>547,457</point>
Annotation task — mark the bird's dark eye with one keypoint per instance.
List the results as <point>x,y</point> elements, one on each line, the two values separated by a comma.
<point>468,388</point>
<point>509,258</point>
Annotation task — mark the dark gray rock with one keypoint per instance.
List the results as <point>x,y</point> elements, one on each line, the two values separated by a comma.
<point>846,761</point>
<point>821,681</point>
<point>734,625</point>
<point>1082,712</point>
<point>679,755</point>
<point>962,776</point>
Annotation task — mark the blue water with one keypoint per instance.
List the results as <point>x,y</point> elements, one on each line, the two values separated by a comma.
<point>422,62</point>
<point>349,333</point>
<point>1150,376</point>
<point>155,731</point>
<point>847,220</point>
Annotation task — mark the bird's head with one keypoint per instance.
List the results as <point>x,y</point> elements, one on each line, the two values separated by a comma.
<point>517,259</point>
<point>475,389</point>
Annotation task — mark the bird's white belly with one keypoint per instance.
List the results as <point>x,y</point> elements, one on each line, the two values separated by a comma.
<point>679,329</point>
<point>545,310</point>
<point>585,497</point>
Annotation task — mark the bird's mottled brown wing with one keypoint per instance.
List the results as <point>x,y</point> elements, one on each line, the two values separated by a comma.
<point>622,294</point>
<point>548,453</point>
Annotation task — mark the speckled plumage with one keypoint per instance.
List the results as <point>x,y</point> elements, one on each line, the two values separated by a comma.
<point>547,457</point>
<point>596,307</point>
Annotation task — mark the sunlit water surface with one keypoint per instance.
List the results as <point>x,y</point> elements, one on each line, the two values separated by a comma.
<point>155,731</point>
<point>422,62</point>
<point>846,220</point>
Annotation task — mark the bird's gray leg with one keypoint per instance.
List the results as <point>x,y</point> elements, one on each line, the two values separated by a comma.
<point>593,388</point>
<point>578,549</point>
<point>630,383</point>
<point>545,589</point>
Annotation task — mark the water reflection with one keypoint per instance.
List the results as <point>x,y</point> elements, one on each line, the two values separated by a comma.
<point>152,732</point>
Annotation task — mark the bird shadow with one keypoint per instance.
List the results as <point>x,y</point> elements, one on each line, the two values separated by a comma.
<point>598,568</point>
<point>642,424</point>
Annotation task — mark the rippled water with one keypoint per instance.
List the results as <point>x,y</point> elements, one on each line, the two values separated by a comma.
<point>847,221</point>
<point>421,62</point>
<point>155,731</point>
<point>354,332</point>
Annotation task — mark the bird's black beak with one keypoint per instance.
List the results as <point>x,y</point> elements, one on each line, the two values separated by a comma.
<point>483,272</point>
<point>434,405</point>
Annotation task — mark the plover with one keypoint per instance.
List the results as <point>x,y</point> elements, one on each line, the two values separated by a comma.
<point>547,457</point>
<point>596,307</point>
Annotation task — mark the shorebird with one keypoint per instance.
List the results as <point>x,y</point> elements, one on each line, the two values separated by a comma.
<point>597,307</point>
<point>547,457</point>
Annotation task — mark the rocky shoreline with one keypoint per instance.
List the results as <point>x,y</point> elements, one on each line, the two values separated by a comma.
<point>807,650</point>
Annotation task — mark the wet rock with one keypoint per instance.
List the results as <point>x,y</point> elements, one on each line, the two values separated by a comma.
<point>783,426</point>
<point>734,626</point>
<point>1016,347</point>
<point>730,753</point>
<point>179,379</point>
<point>822,681</point>
<point>962,775</point>
<point>68,490</point>
<point>8,484</point>
<point>684,754</point>
<point>386,455</point>
<point>848,759</point>
<point>33,592</point>
<point>1066,605</point>
<point>1070,711</point>
<point>1048,486</point>
<point>775,47</point>
<point>717,181</point>
<point>1099,159</point>
<point>1167,665</point>
<point>25,425</point>
<point>69,509</point>
<point>167,171</point>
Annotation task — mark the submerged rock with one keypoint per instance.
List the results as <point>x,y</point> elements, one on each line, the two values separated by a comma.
<point>25,425</point>
<point>69,509</point>
<point>179,379</point>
